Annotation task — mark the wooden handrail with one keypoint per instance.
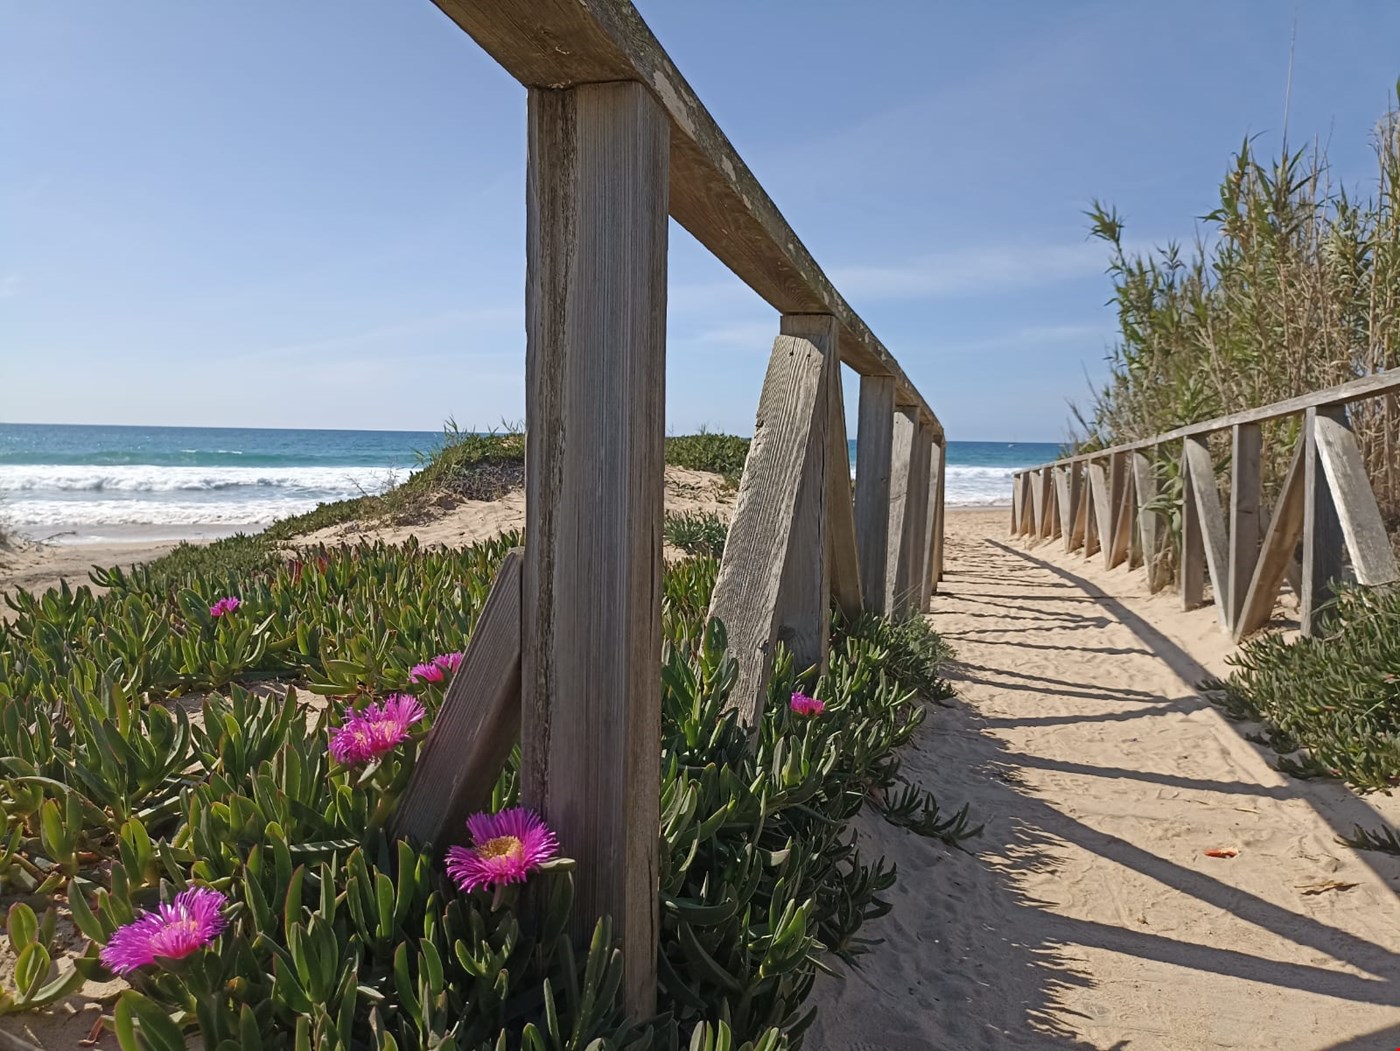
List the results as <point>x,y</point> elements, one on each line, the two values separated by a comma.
<point>1342,394</point>
<point>713,194</point>
<point>1326,503</point>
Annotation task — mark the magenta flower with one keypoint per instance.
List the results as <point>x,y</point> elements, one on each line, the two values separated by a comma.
<point>448,662</point>
<point>804,705</point>
<point>377,730</point>
<point>506,847</point>
<point>225,605</point>
<point>186,925</point>
<point>430,672</point>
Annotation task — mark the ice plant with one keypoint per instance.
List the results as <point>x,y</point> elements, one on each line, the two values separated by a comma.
<point>225,605</point>
<point>804,705</point>
<point>377,730</point>
<point>506,847</point>
<point>448,662</point>
<point>431,672</point>
<point>175,930</point>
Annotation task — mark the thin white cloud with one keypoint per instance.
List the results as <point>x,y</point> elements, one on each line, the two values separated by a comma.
<point>9,286</point>
<point>973,270</point>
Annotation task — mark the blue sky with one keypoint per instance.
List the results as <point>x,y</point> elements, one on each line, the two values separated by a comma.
<point>312,213</point>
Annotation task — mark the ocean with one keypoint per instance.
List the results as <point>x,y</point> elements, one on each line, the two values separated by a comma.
<point>92,484</point>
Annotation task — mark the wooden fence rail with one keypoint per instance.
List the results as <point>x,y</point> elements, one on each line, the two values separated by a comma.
<point>567,657</point>
<point>1325,526</point>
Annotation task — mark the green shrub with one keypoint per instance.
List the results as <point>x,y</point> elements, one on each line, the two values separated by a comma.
<point>1337,694</point>
<point>717,453</point>
<point>113,798</point>
<point>697,532</point>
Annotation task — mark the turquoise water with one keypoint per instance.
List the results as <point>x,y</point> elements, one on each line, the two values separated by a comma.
<point>87,477</point>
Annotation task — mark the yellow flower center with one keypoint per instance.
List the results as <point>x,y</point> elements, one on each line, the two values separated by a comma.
<point>500,847</point>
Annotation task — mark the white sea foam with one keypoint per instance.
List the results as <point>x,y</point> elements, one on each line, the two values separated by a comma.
<point>39,495</point>
<point>142,478</point>
<point>978,486</point>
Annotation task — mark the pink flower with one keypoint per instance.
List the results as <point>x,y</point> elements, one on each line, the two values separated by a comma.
<point>375,731</point>
<point>506,847</point>
<point>448,662</point>
<point>430,672</point>
<point>804,705</point>
<point>186,925</point>
<point>225,605</point>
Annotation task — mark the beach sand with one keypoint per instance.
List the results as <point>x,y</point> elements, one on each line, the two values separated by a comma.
<point>1088,914</point>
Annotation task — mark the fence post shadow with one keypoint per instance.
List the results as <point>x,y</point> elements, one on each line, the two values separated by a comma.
<point>1336,804</point>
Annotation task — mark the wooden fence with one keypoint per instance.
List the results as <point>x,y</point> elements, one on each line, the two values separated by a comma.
<point>567,654</point>
<point>1108,503</point>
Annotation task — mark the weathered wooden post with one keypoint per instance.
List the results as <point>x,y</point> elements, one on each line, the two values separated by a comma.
<point>1246,447</point>
<point>874,446</point>
<point>784,478</point>
<point>1341,513</point>
<point>1202,530</point>
<point>1145,485</point>
<point>1322,529</point>
<point>915,538</point>
<point>940,528</point>
<point>903,464</point>
<point>933,542</point>
<point>595,404</point>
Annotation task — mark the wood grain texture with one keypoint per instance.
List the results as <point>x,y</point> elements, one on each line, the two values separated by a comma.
<point>749,590</point>
<point>1246,478</point>
<point>713,194</point>
<point>1079,507</point>
<point>1372,559</point>
<point>916,519</point>
<point>1204,499</point>
<point>1275,559</point>
<point>1191,568</point>
<point>903,462</point>
<point>1039,505</point>
<point>1111,536</point>
<point>595,413</point>
<point>804,598</point>
<point>1028,504</point>
<point>940,528</point>
<point>874,444</point>
<point>1145,485</point>
<point>1130,497</point>
<point>1323,543</point>
<point>1015,505</point>
<point>1118,551</point>
<point>843,553</point>
<point>1101,534</point>
<point>476,727</point>
<point>932,538</point>
<point>1064,506</point>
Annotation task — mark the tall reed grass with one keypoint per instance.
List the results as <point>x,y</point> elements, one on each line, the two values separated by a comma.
<point>1291,284</point>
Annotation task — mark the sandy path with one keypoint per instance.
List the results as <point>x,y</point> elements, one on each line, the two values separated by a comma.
<point>1089,915</point>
